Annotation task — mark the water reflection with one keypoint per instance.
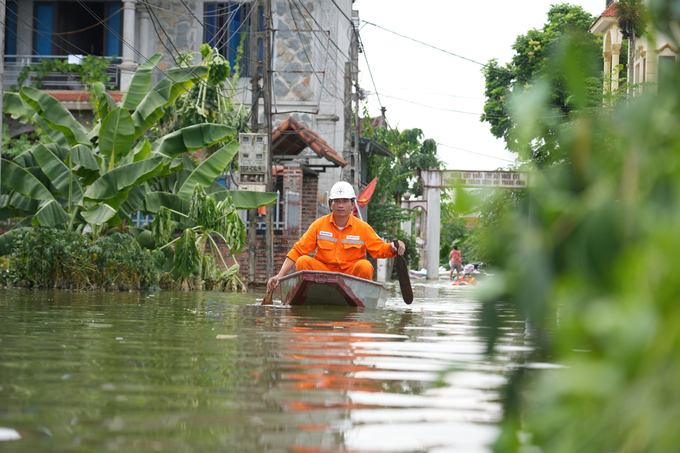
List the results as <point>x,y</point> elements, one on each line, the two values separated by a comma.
<point>190,372</point>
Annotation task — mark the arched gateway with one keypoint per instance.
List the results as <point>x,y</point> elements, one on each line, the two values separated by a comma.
<point>436,180</point>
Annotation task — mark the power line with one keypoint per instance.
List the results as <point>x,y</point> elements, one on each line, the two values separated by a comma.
<point>486,65</point>
<point>473,152</point>
<point>311,64</point>
<point>202,25</point>
<point>439,108</point>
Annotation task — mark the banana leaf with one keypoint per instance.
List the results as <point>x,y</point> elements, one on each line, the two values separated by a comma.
<point>21,180</point>
<point>140,84</point>
<point>122,178</point>
<point>142,150</point>
<point>104,101</point>
<point>155,200</point>
<point>193,138</point>
<point>26,159</point>
<point>53,134</point>
<point>116,135</point>
<point>152,107</point>
<point>82,155</point>
<point>143,237</point>
<point>51,214</point>
<point>55,115</point>
<point>246,199</point>
<point>24,203</point>
<point>134,201</point>
<point>187,163</point>
<point>58,173</point>
<point>99,215</point>
<point>209,169</point>
<point>13,105</point>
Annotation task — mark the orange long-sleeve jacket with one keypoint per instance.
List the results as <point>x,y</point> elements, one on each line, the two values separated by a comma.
<point>340,248</point>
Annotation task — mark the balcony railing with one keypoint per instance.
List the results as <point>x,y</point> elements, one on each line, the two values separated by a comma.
<point>56,80</point>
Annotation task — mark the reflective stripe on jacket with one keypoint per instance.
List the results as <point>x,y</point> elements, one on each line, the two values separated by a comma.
<point>342,248</point>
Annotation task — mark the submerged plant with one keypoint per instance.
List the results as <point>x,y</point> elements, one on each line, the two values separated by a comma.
<point>211,218</point>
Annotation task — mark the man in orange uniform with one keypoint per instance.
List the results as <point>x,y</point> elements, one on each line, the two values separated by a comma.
<point>340,240</point>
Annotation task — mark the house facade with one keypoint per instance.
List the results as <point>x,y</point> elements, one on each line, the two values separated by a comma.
<point>312,60</point>
<point>653,54</point>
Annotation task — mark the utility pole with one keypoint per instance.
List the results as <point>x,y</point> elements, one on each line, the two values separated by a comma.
<point>269,181</point>
<point>2,75</point>
<point>351,172</point>
<point>255,125</point>
<point>347,144</point>
<point>356,154</point>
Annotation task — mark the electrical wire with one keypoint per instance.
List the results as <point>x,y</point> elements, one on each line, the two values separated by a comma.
<point>474,152</point>
<point>206,29</point>
<point>77,31</point>
<point>323,45</point>
<point>486,65</point>
<point>311,64</point>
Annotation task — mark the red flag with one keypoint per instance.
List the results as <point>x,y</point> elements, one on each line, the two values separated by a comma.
<point>262,210</point>
<point>366,194</point>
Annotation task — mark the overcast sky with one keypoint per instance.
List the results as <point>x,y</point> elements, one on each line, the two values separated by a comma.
<point>407,73</point>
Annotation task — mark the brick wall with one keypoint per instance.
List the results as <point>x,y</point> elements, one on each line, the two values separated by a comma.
<point>282,245</point>
<point>292,181</point>
<point>308,201</point>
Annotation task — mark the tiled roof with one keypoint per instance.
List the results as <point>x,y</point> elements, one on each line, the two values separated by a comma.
<point>609,12</point>
<point>291,138</point>
<point>79,96</point>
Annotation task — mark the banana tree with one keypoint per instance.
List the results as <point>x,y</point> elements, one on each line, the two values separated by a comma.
<point>210,218</point>
<point>101,176</point>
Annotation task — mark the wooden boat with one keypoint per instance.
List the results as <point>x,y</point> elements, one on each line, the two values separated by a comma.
<point>311,288</point>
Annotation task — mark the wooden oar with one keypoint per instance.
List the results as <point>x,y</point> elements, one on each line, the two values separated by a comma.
<point>268,298</point>
<point>404,279</point>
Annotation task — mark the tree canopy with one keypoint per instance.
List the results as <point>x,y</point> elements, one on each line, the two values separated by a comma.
<point>531,64</point>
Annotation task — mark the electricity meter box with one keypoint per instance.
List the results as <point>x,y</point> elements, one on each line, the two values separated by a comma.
<point>252,162</point>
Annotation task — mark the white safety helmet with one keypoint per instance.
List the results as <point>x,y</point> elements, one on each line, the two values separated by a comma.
<point>341,189</point>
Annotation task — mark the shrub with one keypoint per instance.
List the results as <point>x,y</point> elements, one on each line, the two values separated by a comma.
<point>55,258</point>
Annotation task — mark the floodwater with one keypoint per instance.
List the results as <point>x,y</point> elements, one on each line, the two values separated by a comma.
<point>213,372</point>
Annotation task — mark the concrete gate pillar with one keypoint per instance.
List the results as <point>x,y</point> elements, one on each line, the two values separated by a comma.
<point>432,181</point>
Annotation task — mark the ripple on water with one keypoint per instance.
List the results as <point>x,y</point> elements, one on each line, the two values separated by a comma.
<point>216,372</point>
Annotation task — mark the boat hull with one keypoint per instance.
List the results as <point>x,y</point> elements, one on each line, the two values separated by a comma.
<point>318,288</point>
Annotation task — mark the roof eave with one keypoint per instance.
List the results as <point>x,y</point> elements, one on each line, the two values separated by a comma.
<point>601,24</point>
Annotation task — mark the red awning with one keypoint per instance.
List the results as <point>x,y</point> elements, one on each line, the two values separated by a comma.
<point>291,138</point>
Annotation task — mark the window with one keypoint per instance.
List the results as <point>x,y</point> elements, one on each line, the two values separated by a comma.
<point>226,25</point>
<point>11,30</point>
<point>65,28</point>
<point>665,69</point>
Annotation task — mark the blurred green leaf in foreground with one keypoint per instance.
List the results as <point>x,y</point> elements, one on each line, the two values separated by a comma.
<point>591,262</point>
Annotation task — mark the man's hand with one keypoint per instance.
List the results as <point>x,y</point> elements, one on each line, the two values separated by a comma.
<point>400,250</point>
<point>272,283</point>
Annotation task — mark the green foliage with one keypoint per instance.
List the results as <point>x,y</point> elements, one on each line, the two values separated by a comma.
<point>209,102</point>
<point>229,281</point>
<point>162,226</point>
<point>187,256</point>
<point>12,147</point>
<point>589,259</point>
<point>531,64</point>
<point>102,176</point>
<point>211,218</point>
<point>454,231</point>
<point>632,17</point>
<point>92,69</point>
<point>44,257</point>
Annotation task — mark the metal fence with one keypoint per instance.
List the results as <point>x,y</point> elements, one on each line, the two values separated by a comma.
<point>56,80</point>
